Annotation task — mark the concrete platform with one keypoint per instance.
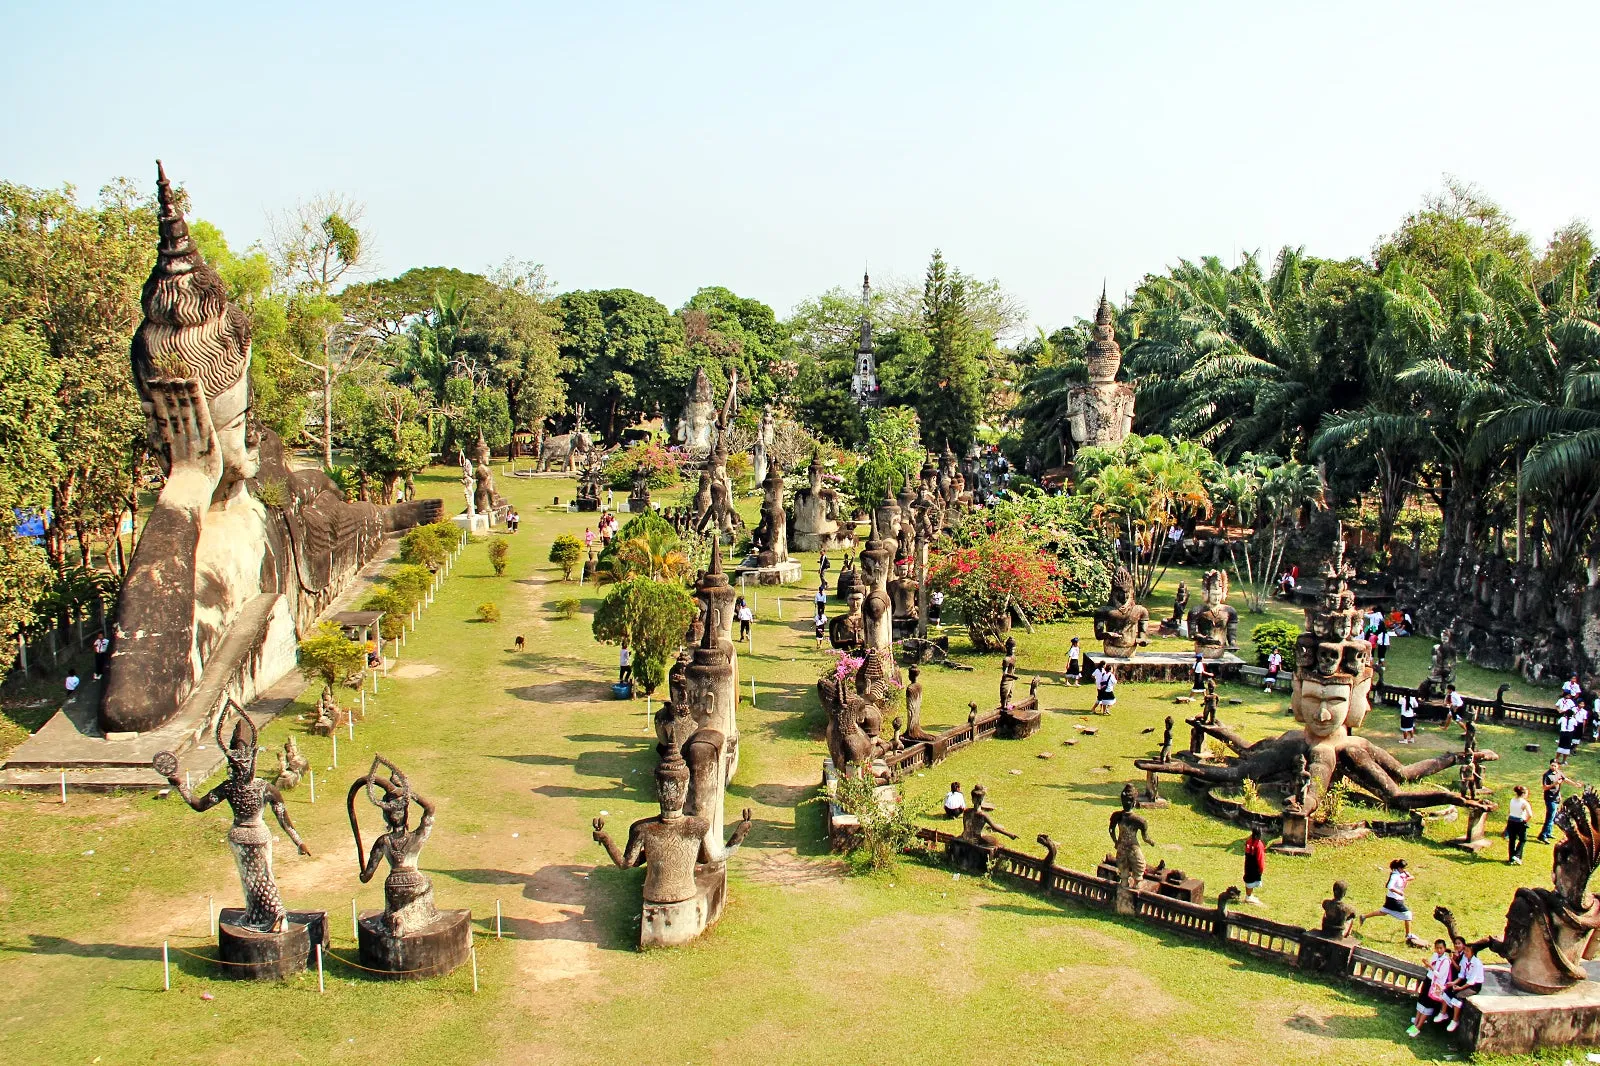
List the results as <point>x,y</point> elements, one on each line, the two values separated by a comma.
<point>1166,666</point>
<point>787,572</point>
<point>1501,1020</point>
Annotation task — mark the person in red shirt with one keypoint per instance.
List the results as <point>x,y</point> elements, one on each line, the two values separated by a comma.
<point>1255,865</point>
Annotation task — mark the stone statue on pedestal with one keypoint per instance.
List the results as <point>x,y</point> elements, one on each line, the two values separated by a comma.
<point>763,444</point>
<point>1126,828</point>
<point>697,425</point>
<point>1100,413</point>
<point>407,892</point>
<point>485,498</point>
<point>1008,674</point>
<point>814,516</point>
<point>1120,626</point>
<point>1214,625</point>
<point>976,823</point>
<point>249,838</point>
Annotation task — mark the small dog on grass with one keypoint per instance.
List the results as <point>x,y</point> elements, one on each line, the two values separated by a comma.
<point>520,642</point>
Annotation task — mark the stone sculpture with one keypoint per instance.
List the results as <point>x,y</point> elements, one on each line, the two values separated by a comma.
<point>697,426</point>
<point>1126,828</point>
<point>410,937</point>
<point>1180,604</point>
<point>220,583</point>
<point>291,766</point>
<point>976,823</point>
<point>876,608</point>
<point>1008,674</point>
<point>1120,626</point>
<point>914,731</point>
<point>1337,916</point>
<point>772,533</point>
<point>1550,932</point>
<point>814,519</point>
<point>719,514</point>
<point>669,845</point>
<point>847,632</point>
<point>1100,413</point>
<point>761,446</point>
<point>486,500</point>
<point>1166,740</point>
<point>639,497</point>
<point>249,838</point>
<point>1214,625</point>
<point>1208,703</point>
<point>1331,698</point>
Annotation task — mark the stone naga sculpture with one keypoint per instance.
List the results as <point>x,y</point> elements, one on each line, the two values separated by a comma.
<point>407,892</point>
<point>1120,626</point>
<point>669,844</point>
<point>1550,932</point>
<point>1214,625</point>
<point>249,837</point>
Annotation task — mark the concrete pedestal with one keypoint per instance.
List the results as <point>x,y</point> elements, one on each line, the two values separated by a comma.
<point>249,954</point>
<point>1296,831</point>
<point>787,572</point>
<point>1502,1020</point>
<point>473,523</point>
<point>429,952</point>
<point>665,925</point>
<point>1474,840</point>
<point>1151,796</point>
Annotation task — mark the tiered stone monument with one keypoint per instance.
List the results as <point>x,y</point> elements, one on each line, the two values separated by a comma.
<point>697,735</point>
<point>1101,413</point>
<point>697,430</point>
<point>410,937</point>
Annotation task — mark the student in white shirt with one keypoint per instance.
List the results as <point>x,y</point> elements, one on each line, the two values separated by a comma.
<point>1467,982</point>
<point>72,682</point>
<point>1105,689</point>
<point>1274,663</point>
<point>1074,663</point>
<point>1571,687</point>
<point>955,804</point>
<point>1454,708</point>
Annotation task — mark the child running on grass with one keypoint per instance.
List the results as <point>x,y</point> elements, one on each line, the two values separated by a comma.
<point>1394,900</point>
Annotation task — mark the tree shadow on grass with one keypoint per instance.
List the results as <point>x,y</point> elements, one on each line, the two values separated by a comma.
<point>39,944</point>
<point>572,690</point>
<point>593,908</point>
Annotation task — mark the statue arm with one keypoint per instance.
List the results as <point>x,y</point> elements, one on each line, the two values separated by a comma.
<point>199,803</point>
<point>374,857</point>
<point>1369,765</point>
<point>280,810</point>
<point>604,840</point>
<point>425,824</point>
<point>998,828</point>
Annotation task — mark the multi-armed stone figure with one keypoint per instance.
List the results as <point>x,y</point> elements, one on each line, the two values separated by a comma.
<point>1332,695</point>
<point>263,939</point>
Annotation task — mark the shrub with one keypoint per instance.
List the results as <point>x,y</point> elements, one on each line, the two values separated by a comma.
<point>886,829</point>
<point>660,463</point>
<point>331,657</point>
<point>1275,636</point>
<point>567,608</point>
<point>647,546</point>
<point>498,550</point>
<point>395,605</point>
<point>489,612</point>
<point>652,617</point>
<point>274,493</point>
<point>566,552</point>
<point>411,581</point>
<point>984,581</point>
<point>423,546</point>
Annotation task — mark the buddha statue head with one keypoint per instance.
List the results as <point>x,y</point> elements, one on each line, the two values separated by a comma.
<point>191,333</point>
<point>672,784</point>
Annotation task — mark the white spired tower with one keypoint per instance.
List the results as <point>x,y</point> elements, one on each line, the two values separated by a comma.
<point>864,384</point>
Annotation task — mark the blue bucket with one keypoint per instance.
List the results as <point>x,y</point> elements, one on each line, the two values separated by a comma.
<point>622,691</point>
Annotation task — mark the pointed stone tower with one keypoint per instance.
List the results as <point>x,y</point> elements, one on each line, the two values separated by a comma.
<point>1100,414</point>
<point>864,384</point>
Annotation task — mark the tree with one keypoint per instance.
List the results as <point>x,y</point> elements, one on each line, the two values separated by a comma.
<point>646,547</point>
<point>651,617</point>
<point>613,346</point>
<point>988,580</point>
<point>498,551</point>
<point>950,385</point>
<point>391,445</point>
<point>1271,497</point>
<point>327,655</point>
<point>315,247</point>
<point>70,277</point>
<point>893,454</point>
<point>1139,492</point>
<point>566,552</point>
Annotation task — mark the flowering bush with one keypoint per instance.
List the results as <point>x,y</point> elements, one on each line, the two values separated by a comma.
<point>660,462</point>
<point>986,578</point>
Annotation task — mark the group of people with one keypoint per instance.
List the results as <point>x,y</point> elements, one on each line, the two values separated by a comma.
<point>1454,975</point>
<point>603,531</point>
<point>1575,722</point>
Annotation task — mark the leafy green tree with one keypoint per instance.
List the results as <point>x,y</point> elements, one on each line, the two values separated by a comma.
<point>566,552</point>
<point>1139,492</point>
<point>613,344</point>
<point>647,546</point>
<point>29,419</point>
<point>498,551</point>
<point>391,445</point>
<point>950,384</point>
<point>327,655</point>
<point>893,453</point>
<point>70,277</point>
<point>651,617</point>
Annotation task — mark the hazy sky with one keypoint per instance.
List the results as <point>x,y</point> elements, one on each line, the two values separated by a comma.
<point>776,148</point>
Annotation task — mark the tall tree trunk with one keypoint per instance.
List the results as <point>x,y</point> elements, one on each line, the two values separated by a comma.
<point>327,418</point>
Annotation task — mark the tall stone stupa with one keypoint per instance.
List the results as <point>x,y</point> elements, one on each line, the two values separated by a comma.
<point>1101,413</point>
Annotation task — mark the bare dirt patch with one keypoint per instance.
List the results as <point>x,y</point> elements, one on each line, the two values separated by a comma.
<point>410,670</point>
<point>785,869</point>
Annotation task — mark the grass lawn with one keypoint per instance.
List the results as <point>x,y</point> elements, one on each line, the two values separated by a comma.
<point>521,750</point>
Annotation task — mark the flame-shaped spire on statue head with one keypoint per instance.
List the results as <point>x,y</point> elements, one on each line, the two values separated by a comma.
<point>1105,354</point>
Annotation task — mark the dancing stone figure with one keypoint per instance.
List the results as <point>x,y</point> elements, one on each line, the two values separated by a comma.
<point>260,940</point>
<point>409,937</point>
<point>1126,828</point>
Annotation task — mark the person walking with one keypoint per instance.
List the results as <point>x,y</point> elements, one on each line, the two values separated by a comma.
<point>1518,814</point>
<point>1408,719</point>
<point>824,564</point>
<point>102,655</point>
<point>746,616</point>
<point>1074,663</point>
<point>1394,900</point>
<point>1385,637</point>
<point>820,624</point>
<point>1274,664</point>
<point>1105,689</point>
<point>1551,783</point>
<point>935,606</point>
<point>1455,708</point>
<point>1255,865</point>
<point>1566,728</point>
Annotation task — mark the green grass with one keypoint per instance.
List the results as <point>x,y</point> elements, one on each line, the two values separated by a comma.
<point>521,750</point>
